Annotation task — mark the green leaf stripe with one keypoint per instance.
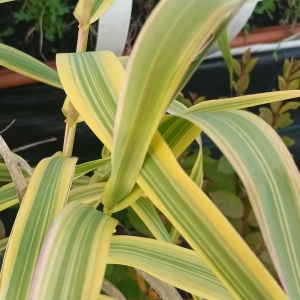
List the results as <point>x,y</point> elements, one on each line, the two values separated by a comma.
<point>26,65</point>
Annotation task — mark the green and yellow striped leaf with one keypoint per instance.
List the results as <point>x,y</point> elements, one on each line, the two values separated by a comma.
<point>148,88</point>
<point>8,196</point>
<point>98,111</point>
<point>224,46</point>
<point>45,197</point>
<point>89,166</point>
<point>4,173</point>
<point>179,197</point>
<point>26,65</point>
<point>98,8</point>
<point>175,265</point>
<point>3,244</point>
<point>239,102</point>
<point>144,208</point>
<point>197,170</point>
<point>89,194</point>
<point>203,226</point>
<point>271,178</point>
<point>73,259</point>
<point>97,76</point>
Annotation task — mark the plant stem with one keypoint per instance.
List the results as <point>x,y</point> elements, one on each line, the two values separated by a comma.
<point>71,121</point>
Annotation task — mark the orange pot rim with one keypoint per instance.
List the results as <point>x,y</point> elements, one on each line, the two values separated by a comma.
<point>266,35</point>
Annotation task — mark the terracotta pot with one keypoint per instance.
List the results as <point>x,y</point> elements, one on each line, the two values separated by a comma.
<point>266,35</point>
<point>271,34</point>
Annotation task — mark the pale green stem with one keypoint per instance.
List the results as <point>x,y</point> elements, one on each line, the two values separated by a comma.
<point>71,121</point>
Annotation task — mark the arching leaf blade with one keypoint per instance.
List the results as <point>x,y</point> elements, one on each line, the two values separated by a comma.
<point>178,266</point>
<point>148,214</point>
<point>93,81</point>
<point>185,205</point>
<point>147,97</point>
<point>26,65</point>
<point>241,101</point>
<point>45,197</point>
<point>271,179</point>
<point>73,258</point>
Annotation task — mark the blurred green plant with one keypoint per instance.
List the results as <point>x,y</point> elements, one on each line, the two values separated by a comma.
<point>284,11</point>
<point>45,17</point>
<point>242,71</point>
<point>278,115</point>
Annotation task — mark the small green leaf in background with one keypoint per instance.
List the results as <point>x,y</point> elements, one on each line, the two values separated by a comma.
<point>267,261</point>
<point>254,240</point>
<point>246,57</point>
<point>266,114</point>
<point>293,85</point>
<point>252,219</point>
<point>224,166</point>
<point>250,66</point>
<point>236,67</point>
<point>283,120</point>
<point>275,106</point>
<point>236,223</point>
<point>256,243</point>
<point>137,223</point>
<point>228,203</point>
<point>289,105</point>
<point>287,67</point>
<point>243,85</point>
<point>288,141</point>
<point>125,278</point>
<point>216,180</point>
<point>224,46</point>
<point>281,83</point>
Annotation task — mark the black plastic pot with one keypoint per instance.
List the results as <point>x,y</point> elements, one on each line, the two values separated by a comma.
<point>37,109</point>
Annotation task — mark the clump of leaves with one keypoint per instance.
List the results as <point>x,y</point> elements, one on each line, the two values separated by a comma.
<point>278,115</point>
<point>45,16</point>
<point>284,12</point>
<point>267,7</point>
<point>242,71</point>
